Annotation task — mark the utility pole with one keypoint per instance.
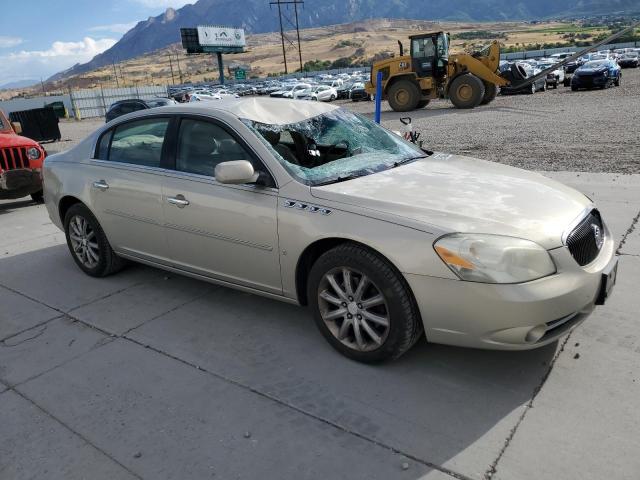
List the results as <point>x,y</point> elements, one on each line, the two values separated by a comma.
<point>42,85</point>
<point>295,3</point>
<point>179,70</point>
<point>115,74</point>
<point>171,65</point>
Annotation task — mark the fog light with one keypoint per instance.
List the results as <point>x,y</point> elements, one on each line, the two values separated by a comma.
<point>535,334</point>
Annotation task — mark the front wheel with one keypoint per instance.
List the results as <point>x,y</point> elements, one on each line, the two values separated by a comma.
<point>88,243</point>
<point>404,95</point>
<point>617,81</point>
<point>38,197</point>
<point>466,91</point>
<point>362,305</point>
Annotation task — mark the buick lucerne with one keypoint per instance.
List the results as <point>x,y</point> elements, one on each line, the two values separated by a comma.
<point>314,205</point>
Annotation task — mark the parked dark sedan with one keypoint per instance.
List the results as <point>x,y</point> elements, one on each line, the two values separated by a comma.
<point>629,60</point>
<point>358,93</point>
<point>122,107</point>
<point>596,73</point>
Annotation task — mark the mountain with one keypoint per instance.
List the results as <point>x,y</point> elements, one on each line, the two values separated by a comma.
<point>19,83</point>
<point>258,16</point>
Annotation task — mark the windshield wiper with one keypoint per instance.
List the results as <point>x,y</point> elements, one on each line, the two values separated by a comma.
<point>407,160</point>
<point>337,180</point>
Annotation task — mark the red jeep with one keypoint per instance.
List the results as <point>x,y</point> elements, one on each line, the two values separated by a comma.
<point>20,163</point>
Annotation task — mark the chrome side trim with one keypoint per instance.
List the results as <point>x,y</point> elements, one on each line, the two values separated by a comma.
<point>207,279</point>
<point>128,216</point>
<point>217,236</point>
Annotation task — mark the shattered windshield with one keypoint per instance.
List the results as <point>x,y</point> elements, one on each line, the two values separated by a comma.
<point>335,146</point>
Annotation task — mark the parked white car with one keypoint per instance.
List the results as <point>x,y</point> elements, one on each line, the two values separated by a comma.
<point>321,93</point>
<point>289,92</point>
<point>555,77</point>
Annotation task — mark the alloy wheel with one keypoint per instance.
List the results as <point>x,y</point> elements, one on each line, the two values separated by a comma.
<point>354,309</point>
<point>84,241</point>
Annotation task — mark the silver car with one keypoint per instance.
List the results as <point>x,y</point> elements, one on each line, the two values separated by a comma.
<point>314,205</point>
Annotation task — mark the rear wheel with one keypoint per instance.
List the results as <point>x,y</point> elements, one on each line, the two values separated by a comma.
<point>88,244</point>
<point>532,89</point>
<point>466,91</point>
<point>490,93</point>
<point>616,82</point>
<point>362,305</point>
<point>404,95</point>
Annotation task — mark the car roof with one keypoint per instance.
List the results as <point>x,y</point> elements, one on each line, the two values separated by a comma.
<point>274,111</point>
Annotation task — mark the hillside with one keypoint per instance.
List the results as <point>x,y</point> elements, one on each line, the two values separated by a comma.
<point>359,42</point>
<point>257,16</point>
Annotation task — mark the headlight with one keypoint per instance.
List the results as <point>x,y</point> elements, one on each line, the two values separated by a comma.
<point>33,153</point>
<point>494,258</point>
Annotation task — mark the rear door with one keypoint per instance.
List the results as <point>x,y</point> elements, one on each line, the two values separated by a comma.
<point>126,186</point>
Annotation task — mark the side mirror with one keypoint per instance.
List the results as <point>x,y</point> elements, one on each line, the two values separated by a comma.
<point>235,172</point>
<point>17,127</point>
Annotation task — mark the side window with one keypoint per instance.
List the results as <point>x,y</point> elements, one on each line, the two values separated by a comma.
<point>102,152</point>
<point>203,145</point>
<point>140,142</point>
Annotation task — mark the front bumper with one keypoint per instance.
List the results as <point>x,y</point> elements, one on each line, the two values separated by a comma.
<point>511,317</point>
<point>589,81</point>
<point>19,183</point>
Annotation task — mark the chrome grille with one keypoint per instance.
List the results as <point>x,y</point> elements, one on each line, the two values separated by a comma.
<point>13,158</point>
<point>583,239</point>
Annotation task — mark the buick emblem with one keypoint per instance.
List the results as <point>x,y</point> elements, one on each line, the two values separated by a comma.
<point>597,235</point>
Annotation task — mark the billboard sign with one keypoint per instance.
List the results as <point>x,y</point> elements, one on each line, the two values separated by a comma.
<point>217,36</point>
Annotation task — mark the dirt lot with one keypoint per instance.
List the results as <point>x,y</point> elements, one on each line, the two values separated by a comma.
<point>586,131</point>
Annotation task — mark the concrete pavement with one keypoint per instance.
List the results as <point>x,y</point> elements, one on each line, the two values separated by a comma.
<point>151,375</point>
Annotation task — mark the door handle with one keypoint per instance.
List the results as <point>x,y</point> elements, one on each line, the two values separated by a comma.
<point>179,201</point>
<point>101,185</point>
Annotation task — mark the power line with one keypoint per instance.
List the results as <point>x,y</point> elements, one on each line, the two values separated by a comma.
<point>283,37</point>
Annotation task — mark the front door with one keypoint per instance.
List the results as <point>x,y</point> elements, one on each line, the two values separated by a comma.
<point>126,187</point>
<point>227,232</point>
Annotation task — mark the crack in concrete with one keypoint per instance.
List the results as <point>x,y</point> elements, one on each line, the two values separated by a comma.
<point>43,328</point>
<point>627,233</point>
<point>493,467</point>
<point>343,428</point>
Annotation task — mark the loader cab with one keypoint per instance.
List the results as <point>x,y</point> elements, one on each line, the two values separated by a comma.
<point>430,54</point>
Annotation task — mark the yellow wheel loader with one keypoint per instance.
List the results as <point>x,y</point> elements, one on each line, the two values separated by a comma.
<point>468,80</point>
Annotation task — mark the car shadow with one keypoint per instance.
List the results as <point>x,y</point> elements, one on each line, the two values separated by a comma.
<point>433,403</point>
<point>8,206</point>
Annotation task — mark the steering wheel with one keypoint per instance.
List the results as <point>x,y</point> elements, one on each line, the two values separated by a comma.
<point>336,145</point>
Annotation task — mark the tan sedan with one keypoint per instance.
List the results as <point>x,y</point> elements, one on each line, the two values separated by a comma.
<point>315,205</point>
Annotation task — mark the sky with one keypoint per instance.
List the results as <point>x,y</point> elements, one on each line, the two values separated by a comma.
<point>41,37</point>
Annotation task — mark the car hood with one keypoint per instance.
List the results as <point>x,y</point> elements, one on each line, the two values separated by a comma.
<point>9,139</point>
<point>460,194</point>
<point>591,71</point>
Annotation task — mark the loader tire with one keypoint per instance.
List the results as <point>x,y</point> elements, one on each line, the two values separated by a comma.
<point>490,93</point>
<point>404,95</point>
<point>466,91</point>
<point>423,103</point>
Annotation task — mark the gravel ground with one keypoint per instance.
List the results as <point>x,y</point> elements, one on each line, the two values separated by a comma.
<point>586,131</point>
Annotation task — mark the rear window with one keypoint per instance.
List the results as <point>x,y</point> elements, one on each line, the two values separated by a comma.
<point>138,143</point>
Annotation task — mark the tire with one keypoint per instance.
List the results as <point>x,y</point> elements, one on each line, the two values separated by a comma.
<point>404,95</point>
<point>466,91</point>
<point>107,261</point>
<point>566,82</point>
<point>532,89</point>
<point>574,89</point>
<point>423,103</point>
<point>544,87</point>
<point>397,306</point>
<point>616,82</point>
<point>490,93</point>
<point>333,97</point>
<point>555,86</point>
<point>518,72</point>
<point>38,197</point>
